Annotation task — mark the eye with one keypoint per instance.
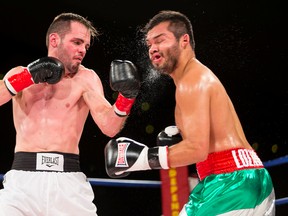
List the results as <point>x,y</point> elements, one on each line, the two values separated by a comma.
<point>77,42</point>
<point>159,40</point>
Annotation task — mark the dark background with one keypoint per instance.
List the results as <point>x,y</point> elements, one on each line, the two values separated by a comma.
<point>243,42</point>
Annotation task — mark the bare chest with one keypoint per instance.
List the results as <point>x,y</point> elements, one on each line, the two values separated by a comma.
<point>48,97</point>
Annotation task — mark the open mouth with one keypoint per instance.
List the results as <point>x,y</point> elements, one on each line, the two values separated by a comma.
<point>156,57</point>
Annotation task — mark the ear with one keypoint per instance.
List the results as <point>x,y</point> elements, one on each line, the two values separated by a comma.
<point>54,39</point>
<point>185,40</point>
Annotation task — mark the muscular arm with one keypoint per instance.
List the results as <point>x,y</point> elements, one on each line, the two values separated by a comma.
<point>5,96</point>
<point>192,116</point>
<point>101,110</point>
<point>207,122</point>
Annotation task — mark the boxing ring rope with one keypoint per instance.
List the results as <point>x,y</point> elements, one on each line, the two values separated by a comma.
<point>276,162</point>
<point>157,184</point>
<point>124,182</point>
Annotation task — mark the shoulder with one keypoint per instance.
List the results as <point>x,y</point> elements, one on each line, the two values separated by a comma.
<point>198,76</point>
<point>87,74</point>
<point>83,69</point>
<point>198,80</point>
<point>88,78</point>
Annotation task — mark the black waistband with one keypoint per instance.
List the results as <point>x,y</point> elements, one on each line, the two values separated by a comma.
<point>46,161</point>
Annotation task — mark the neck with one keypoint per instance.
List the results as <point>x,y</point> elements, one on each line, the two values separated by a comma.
<point>182,67</point>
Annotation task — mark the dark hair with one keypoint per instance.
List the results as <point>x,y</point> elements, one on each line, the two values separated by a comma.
<point>179,24</point>
<point>61,25</point>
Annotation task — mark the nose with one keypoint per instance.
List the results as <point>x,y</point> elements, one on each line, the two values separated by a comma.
<point>82,49</point>
<point>153,49</point>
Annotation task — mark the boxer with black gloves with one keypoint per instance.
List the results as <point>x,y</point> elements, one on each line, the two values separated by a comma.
<point>49,120</point>
<point>124,155</point>
<point>124,78</point>
<point>46,69</point>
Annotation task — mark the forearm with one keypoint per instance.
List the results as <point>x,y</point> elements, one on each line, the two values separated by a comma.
<point>108,121</point>
<point>5,95</point>
<point>180,154</point>
<point>114,124</point>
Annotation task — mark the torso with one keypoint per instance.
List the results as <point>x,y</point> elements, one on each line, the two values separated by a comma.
<point>51,117</point>
<point>223,129</point>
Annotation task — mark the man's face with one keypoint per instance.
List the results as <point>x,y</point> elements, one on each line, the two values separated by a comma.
<point>73,46</point>
<point>163,48</point>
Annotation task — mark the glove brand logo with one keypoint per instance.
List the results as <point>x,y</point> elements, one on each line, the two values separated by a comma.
<point>121,157</point>
<point>50,162</point>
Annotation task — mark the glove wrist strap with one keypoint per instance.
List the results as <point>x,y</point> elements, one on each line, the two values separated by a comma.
<point>123,105</point>
<point>18,82</point>
<point>157,157</point>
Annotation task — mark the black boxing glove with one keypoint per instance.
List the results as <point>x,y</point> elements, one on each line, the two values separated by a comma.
<point>124,155</point>
<point>169,136</point>
<point>124,78</point>
<point>46,69</point>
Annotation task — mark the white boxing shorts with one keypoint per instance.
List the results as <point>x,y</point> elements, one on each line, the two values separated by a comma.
<point>46,184</point>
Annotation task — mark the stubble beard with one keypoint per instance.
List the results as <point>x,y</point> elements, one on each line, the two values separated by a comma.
<point>72,68</point>
<point>170,62</point>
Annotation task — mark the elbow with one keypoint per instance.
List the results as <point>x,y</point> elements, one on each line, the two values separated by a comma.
<point>202,156</point>
<point>110,127</point>
<point>202,152</point>
<point>111,135</point>
<point>110,132</point>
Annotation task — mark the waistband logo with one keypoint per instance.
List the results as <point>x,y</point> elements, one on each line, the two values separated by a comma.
<point>50,161</point>
<point>246,158</point>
